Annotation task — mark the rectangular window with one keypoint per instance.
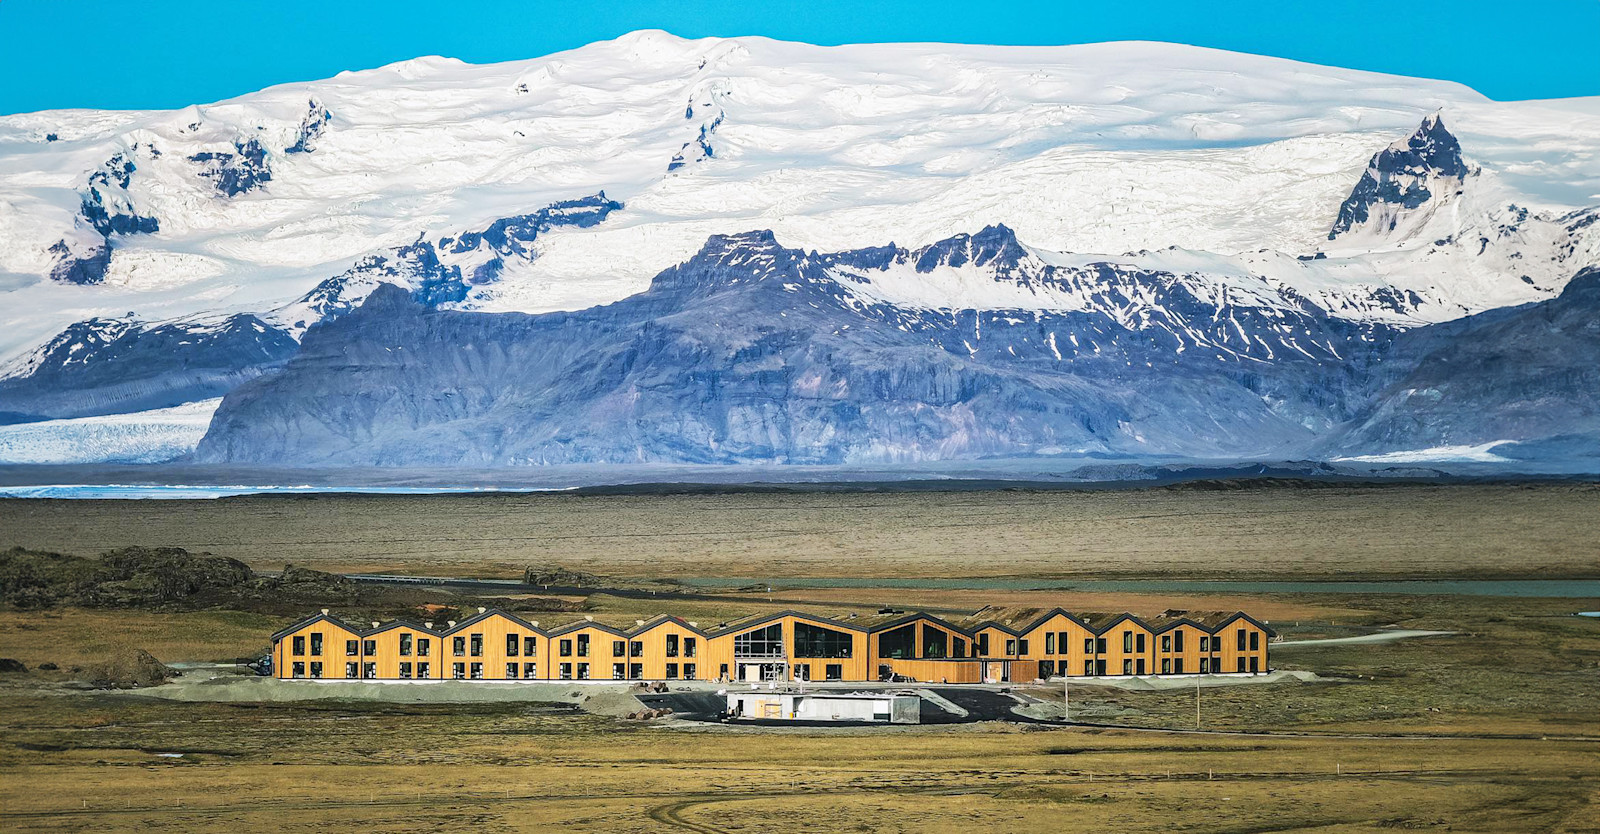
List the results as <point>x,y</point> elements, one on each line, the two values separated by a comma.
<point>1127,642</point>
<point>1047,669</point>
<point>1088,667</point>
<point>1011,647</point>
<point>316,646</point>
<point>1022,646</point>
<point>583,645</point>
<point>1166,666</point>
<point>688,671</point>
<point>566,648</point>
<point>635,670</point>
<point>1138,666</point>
<point>834,671</point>
<point>369,647</point>
<point>1049,643</point>
<point>513,645</point>
<point>583,671</point>
<point>423,644</point>
<point>619,671</point>
<point>369,670</point>
<point>530,670</point>
<point>619,648</point>
<point>1241,664</point>
<point>1166,642</point>
<point>477,645</point>
<point>688,647</point>
<point>802,671</point>
<point>1255,664</point>
<point>530,647</point>
<point>405,645</point>
<point>477,671</point>
<point>1138,642</point>
<point>983,645</point>
<point>722,672</point>
<point>1127,667</point>
<point>672,671</point>
<point>672,646</point>
<point>422,669</point>
<point>636,648</point>
<point>352,648</point>
<point>1205,643</point>
<point>1177,666</point>
<point>458,670</point>
<point>566,671</point>
<point>1061,641</point>
<point>1100,645</point>
<point>511,670</point>
<point>958,647</point>
<point>350,669</point>
<point>1177,640</point>
<point>761,642</point>
<point>1088,645</point>
<point>458,646</point>
<point>1100,666</point>
<point>1240,634</point>
<point>1255,641</point>
<point>1205,665</point>
<point>299,668</point>
<point>405,669</point>
<point>299,645</point>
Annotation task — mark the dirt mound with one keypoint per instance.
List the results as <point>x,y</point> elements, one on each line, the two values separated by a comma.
<point>562,578</point>
<point>128,669</point>
<point>9,666</point>
<point>131,576</point>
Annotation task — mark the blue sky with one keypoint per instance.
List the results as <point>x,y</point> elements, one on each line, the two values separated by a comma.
<point>167,53</point>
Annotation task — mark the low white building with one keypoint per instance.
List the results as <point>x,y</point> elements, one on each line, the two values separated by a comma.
<point>884,707</point>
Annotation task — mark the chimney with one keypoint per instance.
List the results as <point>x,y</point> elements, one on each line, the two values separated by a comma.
<point>451,623</point>
<point>481,609</point>
<point>428,624</point>
<point>693,624</point>
<point>374,623</point>
<point>638,622</point>
<point>534,623</point>
<point>588,618</point>
<point>324,612</point>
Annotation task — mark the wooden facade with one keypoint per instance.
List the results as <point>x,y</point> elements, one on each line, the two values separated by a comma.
<point>994,645</point>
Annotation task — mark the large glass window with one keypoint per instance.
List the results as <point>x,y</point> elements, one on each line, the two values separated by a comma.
<point>513,644</point>
<point>422,669</point>
<point>618,648</point>
<point>316,668</point>
<point>688,647</point>
<point>477,645</point>
<point>405,645</point>
<point>316,645</point>
<point>423,644</point>
<point>299,645</point>
<point>352,647</point>
<point>583,645</point>
<point>530,646</point>
<point>672,648</point>
<point>815,641</point>
<point>762,642</point>
<point>899,643</point>
<point>370,647</point>
<point>935,643</point>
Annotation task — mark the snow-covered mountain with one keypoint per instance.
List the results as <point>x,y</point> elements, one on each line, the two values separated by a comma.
<point>1201,203</point>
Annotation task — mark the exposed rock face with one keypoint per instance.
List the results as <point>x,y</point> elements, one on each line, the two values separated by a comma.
<point>80,262</point>
<point>128,669</point>
<point>751,352</point>
<point>1402,178</point>
<point>246,169</point>
<point>311,127</point>
<point>110,366</point>
<point>1527,374</point>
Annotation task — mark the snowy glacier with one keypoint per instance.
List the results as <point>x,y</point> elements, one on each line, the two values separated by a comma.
<point>151,436</point>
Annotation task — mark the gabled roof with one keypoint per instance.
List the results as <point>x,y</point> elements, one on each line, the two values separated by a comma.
<point>1240,615</point>
<point>393,624</point>
<point>580,625</point>
<point>764,619</point>
<point>660,620</point>
<point>486,614</point>
<point>313,620</point>
<point>915,616</point>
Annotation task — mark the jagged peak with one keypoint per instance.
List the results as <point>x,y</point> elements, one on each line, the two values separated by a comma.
<point>994,244</point>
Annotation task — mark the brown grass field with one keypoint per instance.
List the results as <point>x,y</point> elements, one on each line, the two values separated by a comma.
<point>1495,728</point>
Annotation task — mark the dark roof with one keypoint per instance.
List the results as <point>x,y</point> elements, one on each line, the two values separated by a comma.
<point>1014,620</point>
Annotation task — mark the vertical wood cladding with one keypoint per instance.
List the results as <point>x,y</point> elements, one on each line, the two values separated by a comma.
<point>1013,646</point>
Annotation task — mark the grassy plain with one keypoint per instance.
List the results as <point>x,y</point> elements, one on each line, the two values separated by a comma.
<point>1265,533</point>
<point>1494,728</point>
